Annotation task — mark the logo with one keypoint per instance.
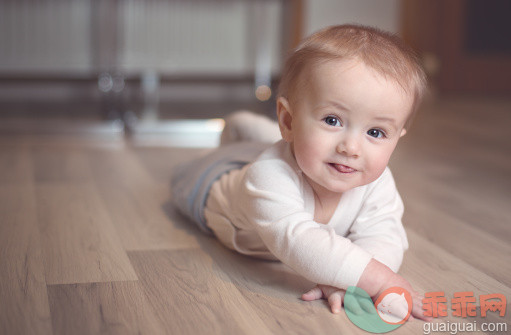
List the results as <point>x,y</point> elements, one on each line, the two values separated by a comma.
<point>391,310</point>
<point>463,304</point>
<point>394,306</point>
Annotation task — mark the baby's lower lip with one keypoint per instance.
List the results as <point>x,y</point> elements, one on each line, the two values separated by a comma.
<point>343,168</point>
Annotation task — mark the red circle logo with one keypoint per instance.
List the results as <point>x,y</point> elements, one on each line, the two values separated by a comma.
<point>394,305</point>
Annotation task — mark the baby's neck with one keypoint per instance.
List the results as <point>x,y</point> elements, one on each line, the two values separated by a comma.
<point>325,203</point>
<point>324,211</point>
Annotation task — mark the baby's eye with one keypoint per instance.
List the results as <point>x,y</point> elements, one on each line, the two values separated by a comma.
<point>332,121</point>
<point>376,133</point>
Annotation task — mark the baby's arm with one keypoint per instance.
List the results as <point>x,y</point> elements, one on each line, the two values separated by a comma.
<point>375,279</point>
<point>378,228</point>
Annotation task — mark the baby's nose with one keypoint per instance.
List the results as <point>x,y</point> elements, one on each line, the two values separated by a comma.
<point>349,145</point>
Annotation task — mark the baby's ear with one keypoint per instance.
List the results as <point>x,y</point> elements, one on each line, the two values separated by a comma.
<point>285,117</point>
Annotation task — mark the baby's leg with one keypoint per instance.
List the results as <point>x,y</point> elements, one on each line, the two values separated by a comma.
<point>191,181</point>
<point>247,126</point>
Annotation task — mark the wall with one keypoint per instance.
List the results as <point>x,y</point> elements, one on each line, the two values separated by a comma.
<point>383,14</point>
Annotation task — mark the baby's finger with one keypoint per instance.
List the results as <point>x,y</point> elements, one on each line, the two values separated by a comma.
<point>367,305</point>
<point>314,294</point>
<point>351,303</point>
<point>335,300</point>
<point>418,311</point>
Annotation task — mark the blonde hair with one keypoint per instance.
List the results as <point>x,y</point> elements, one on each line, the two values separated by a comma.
<point>384,52</point>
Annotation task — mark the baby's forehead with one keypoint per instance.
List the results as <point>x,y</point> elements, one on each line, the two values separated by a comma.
<point>315,74</point>
<point>312,69</point>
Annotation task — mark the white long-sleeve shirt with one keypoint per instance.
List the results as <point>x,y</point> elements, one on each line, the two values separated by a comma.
<point>266,210</point>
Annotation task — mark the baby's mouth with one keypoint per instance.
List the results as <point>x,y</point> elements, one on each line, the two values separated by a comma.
<point>343,168</point>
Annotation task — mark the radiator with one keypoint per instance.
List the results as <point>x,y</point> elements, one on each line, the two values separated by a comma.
<point>80,37</point>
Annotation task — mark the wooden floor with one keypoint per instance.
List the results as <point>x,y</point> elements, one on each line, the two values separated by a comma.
<point>90,243</point>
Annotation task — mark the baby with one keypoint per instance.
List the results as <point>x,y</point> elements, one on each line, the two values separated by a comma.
<point>321,199</point>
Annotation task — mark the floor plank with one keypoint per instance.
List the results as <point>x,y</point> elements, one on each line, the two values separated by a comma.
<point>449,185</point>
<point>102,308</point>
<point>189,298</point>
<point>24,305</point>
<point>79,242</point>
<point>160,161</point>
<point>60,165</point>
<point>15,166</point>
<point>487,212</point>
<point>138,206</point>
<point>433,268</point>
<point>462,240</point>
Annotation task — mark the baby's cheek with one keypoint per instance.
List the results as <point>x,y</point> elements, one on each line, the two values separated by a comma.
<point>376,167</point>
<point>308,152</point>
<point>305,160</point>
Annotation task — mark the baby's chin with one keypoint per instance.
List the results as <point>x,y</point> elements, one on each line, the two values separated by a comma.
<point>350,182</point>
<point>342,188</point>
<point>336,186</point>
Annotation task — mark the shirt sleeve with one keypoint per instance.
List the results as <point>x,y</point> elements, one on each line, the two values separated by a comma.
<point>378,228</point>
<point>273,201</point>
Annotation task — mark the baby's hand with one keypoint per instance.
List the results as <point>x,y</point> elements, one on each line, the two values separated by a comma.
<point>334,295</point>
<point>336,298</point>
<point>398,281</point>
<point>377,278</point>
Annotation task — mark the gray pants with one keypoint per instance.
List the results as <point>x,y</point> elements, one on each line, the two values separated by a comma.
<point>192,180</point>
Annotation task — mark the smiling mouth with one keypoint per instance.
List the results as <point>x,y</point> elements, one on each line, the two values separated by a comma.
<point>342,168</point>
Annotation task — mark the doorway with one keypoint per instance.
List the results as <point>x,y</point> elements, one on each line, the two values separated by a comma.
<point>466,44</point>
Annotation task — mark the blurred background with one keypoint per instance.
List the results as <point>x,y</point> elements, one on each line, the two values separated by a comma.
<point>143,69</point>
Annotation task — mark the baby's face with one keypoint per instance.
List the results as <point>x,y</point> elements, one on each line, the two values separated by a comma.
<point>345,125</point>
